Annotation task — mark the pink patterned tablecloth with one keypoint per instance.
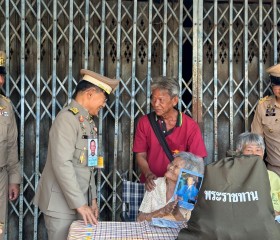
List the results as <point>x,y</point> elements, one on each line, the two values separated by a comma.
<point>121,231</point>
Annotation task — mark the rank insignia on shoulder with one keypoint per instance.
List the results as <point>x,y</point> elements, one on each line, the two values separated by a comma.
<point>4,98</point>
<point>74,110</point>
<point>266,98</point>
<point>2,108</point>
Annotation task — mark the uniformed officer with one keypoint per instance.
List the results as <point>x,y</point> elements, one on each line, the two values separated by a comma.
<point>67,190</point>
<point>266,121</point>
<point>9,163</point>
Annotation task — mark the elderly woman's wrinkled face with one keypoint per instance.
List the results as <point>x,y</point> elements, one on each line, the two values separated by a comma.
<point>173,168</point>
<point>253,149</point>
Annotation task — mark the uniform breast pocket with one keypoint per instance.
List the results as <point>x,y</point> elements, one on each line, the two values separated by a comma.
<point>80,154</point>
<point>3,131</point>
<point>271,126</point>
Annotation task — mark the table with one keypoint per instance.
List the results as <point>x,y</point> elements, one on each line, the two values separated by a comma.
<point>121,231</point>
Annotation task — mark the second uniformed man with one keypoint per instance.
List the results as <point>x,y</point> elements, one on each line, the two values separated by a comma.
<point>66,191</point>
<point>266,120</point>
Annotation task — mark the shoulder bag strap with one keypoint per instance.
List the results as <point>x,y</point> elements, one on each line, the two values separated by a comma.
<point>160,136</point>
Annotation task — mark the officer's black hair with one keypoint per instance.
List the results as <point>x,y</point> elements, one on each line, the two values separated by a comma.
<point>85,85</point>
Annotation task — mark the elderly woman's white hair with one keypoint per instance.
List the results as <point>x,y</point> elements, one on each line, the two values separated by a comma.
<point>192,162</point>
<point>249,138</point>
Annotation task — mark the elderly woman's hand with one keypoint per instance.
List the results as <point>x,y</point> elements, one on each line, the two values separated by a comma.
<point>166,210</point>
<point>169,208</point>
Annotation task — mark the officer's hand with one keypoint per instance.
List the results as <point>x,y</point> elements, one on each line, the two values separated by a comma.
<point>87,214</point>
<point>150,184</point>
<point>95,208</point>
<point>13,191</point>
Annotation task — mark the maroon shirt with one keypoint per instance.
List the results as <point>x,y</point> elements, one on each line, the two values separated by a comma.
<point>185,136</point>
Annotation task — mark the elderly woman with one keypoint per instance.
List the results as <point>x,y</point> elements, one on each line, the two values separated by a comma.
<point>253,144</point>
<point>160,202</point>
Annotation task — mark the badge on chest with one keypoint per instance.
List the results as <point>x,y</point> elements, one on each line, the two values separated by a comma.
<point>270,111</point>
<point>92,152</point>
<point>89,134</point>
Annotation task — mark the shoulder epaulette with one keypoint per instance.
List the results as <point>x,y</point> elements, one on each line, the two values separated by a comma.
<point>5,98</point>
<point>266,98</point>
<point>73,110</point>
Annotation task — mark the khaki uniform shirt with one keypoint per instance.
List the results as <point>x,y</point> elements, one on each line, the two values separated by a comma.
<point>267,123</point>
<point>8,141</point>
<point>66,178</point>
<point>9,162</point>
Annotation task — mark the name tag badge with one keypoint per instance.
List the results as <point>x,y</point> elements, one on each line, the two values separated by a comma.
<point>92,161</point>
<point>92,152</point>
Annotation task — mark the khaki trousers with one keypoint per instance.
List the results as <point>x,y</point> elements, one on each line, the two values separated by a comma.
<point>3,201</point>
<point>57,228</point>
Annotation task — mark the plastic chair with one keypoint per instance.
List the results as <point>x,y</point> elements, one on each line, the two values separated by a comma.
<point>132,196</point>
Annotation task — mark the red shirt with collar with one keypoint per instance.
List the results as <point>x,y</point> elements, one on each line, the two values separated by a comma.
<point>185,136</point>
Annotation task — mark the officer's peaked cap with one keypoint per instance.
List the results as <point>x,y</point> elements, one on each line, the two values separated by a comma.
<point>105,83</point>
<point>274,72</point>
